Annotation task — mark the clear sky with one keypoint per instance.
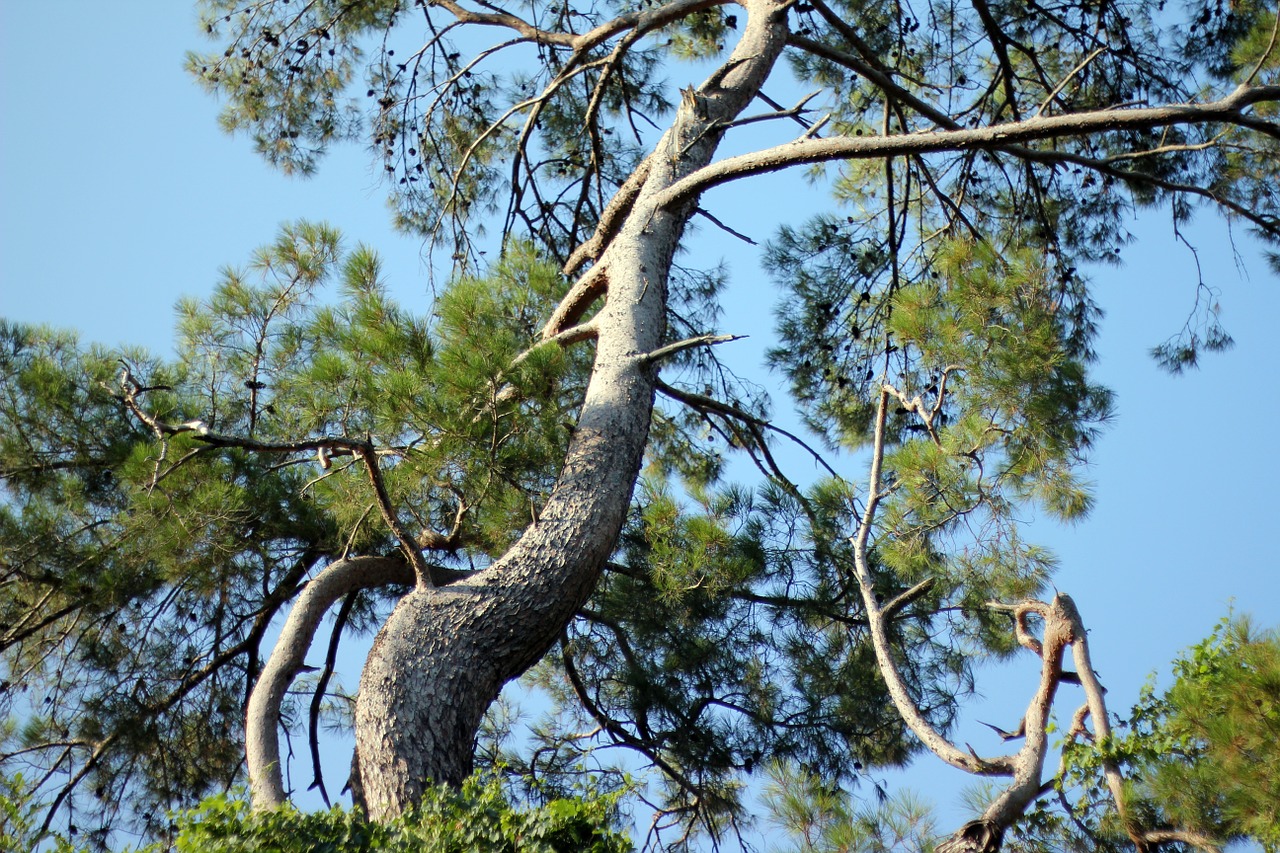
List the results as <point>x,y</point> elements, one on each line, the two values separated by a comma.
<point>118,195</point>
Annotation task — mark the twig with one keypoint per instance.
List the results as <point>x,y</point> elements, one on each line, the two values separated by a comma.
<point>407,543</point>
<point>716,222</point>
<point>688,343</point>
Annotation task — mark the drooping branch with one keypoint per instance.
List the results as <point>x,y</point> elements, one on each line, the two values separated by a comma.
<point>615,729</point>
<point>317,697</point>
<point>705,404</point>
<point>877,625</point>
<point>193,680</point>
<point>262,740</point>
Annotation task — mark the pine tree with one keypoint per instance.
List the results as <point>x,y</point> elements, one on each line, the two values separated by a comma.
<point>463,482</point>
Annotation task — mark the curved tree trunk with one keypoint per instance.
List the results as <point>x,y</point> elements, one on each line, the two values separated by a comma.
<point>445,653</point>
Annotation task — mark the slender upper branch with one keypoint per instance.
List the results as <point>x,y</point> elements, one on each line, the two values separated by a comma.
<point>877,624</point>
<point>709,404</point>
<point>388,511</point>
<point>680,346</point>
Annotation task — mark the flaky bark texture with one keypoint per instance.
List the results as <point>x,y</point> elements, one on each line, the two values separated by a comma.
<point>445,653</point>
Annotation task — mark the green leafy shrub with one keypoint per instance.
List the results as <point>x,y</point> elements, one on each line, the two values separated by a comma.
<point>479,817</point>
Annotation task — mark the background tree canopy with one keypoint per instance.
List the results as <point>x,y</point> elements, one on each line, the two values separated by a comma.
<point>460,479</point>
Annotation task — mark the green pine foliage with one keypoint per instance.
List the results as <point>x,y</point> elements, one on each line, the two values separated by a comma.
<point>819,818</point>
<point>991,409</point>
<point>141,572</point>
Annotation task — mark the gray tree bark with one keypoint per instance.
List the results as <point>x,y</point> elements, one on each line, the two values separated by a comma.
<point>445,653</point>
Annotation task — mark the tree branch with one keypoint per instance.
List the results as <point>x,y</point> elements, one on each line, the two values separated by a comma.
<point>587,289</point>
<point>1095,695</point>
<point>1228,110</point>
<point>671,349</point>
<point>317,698</point>
<point>876,623</point>
<point>705,404</point>
<point>407,543</point>
<point>262,739</point>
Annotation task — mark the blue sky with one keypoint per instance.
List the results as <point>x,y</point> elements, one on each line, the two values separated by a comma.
<point>120,195</point>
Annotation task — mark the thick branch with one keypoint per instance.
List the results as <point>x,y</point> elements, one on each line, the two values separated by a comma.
<point>1061,621</point>
<point>641,21</point>
<point>610,219</point>
<point>1228,110</point>
<point>586,290</point>
<point>262,740</point>
<point>892,607</point>
<point>866,67</point>
<point>1182,836</point>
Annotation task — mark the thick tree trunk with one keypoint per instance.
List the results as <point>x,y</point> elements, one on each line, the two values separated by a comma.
<point>445,653</point>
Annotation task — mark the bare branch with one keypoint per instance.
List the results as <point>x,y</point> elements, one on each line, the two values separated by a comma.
<point>586,290</point>
<point>1228,110</point>
<point>709,404</point>
<point>716,222</point>
<point>1182,836</point>
<point>1095,695</point>
<point>1070,75</point>
<point>408,544</point>
<point>689,343</point>
<point>262,741</point>
<point>610,219</point>
<point>904,598</point>
<point>876,622</point>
